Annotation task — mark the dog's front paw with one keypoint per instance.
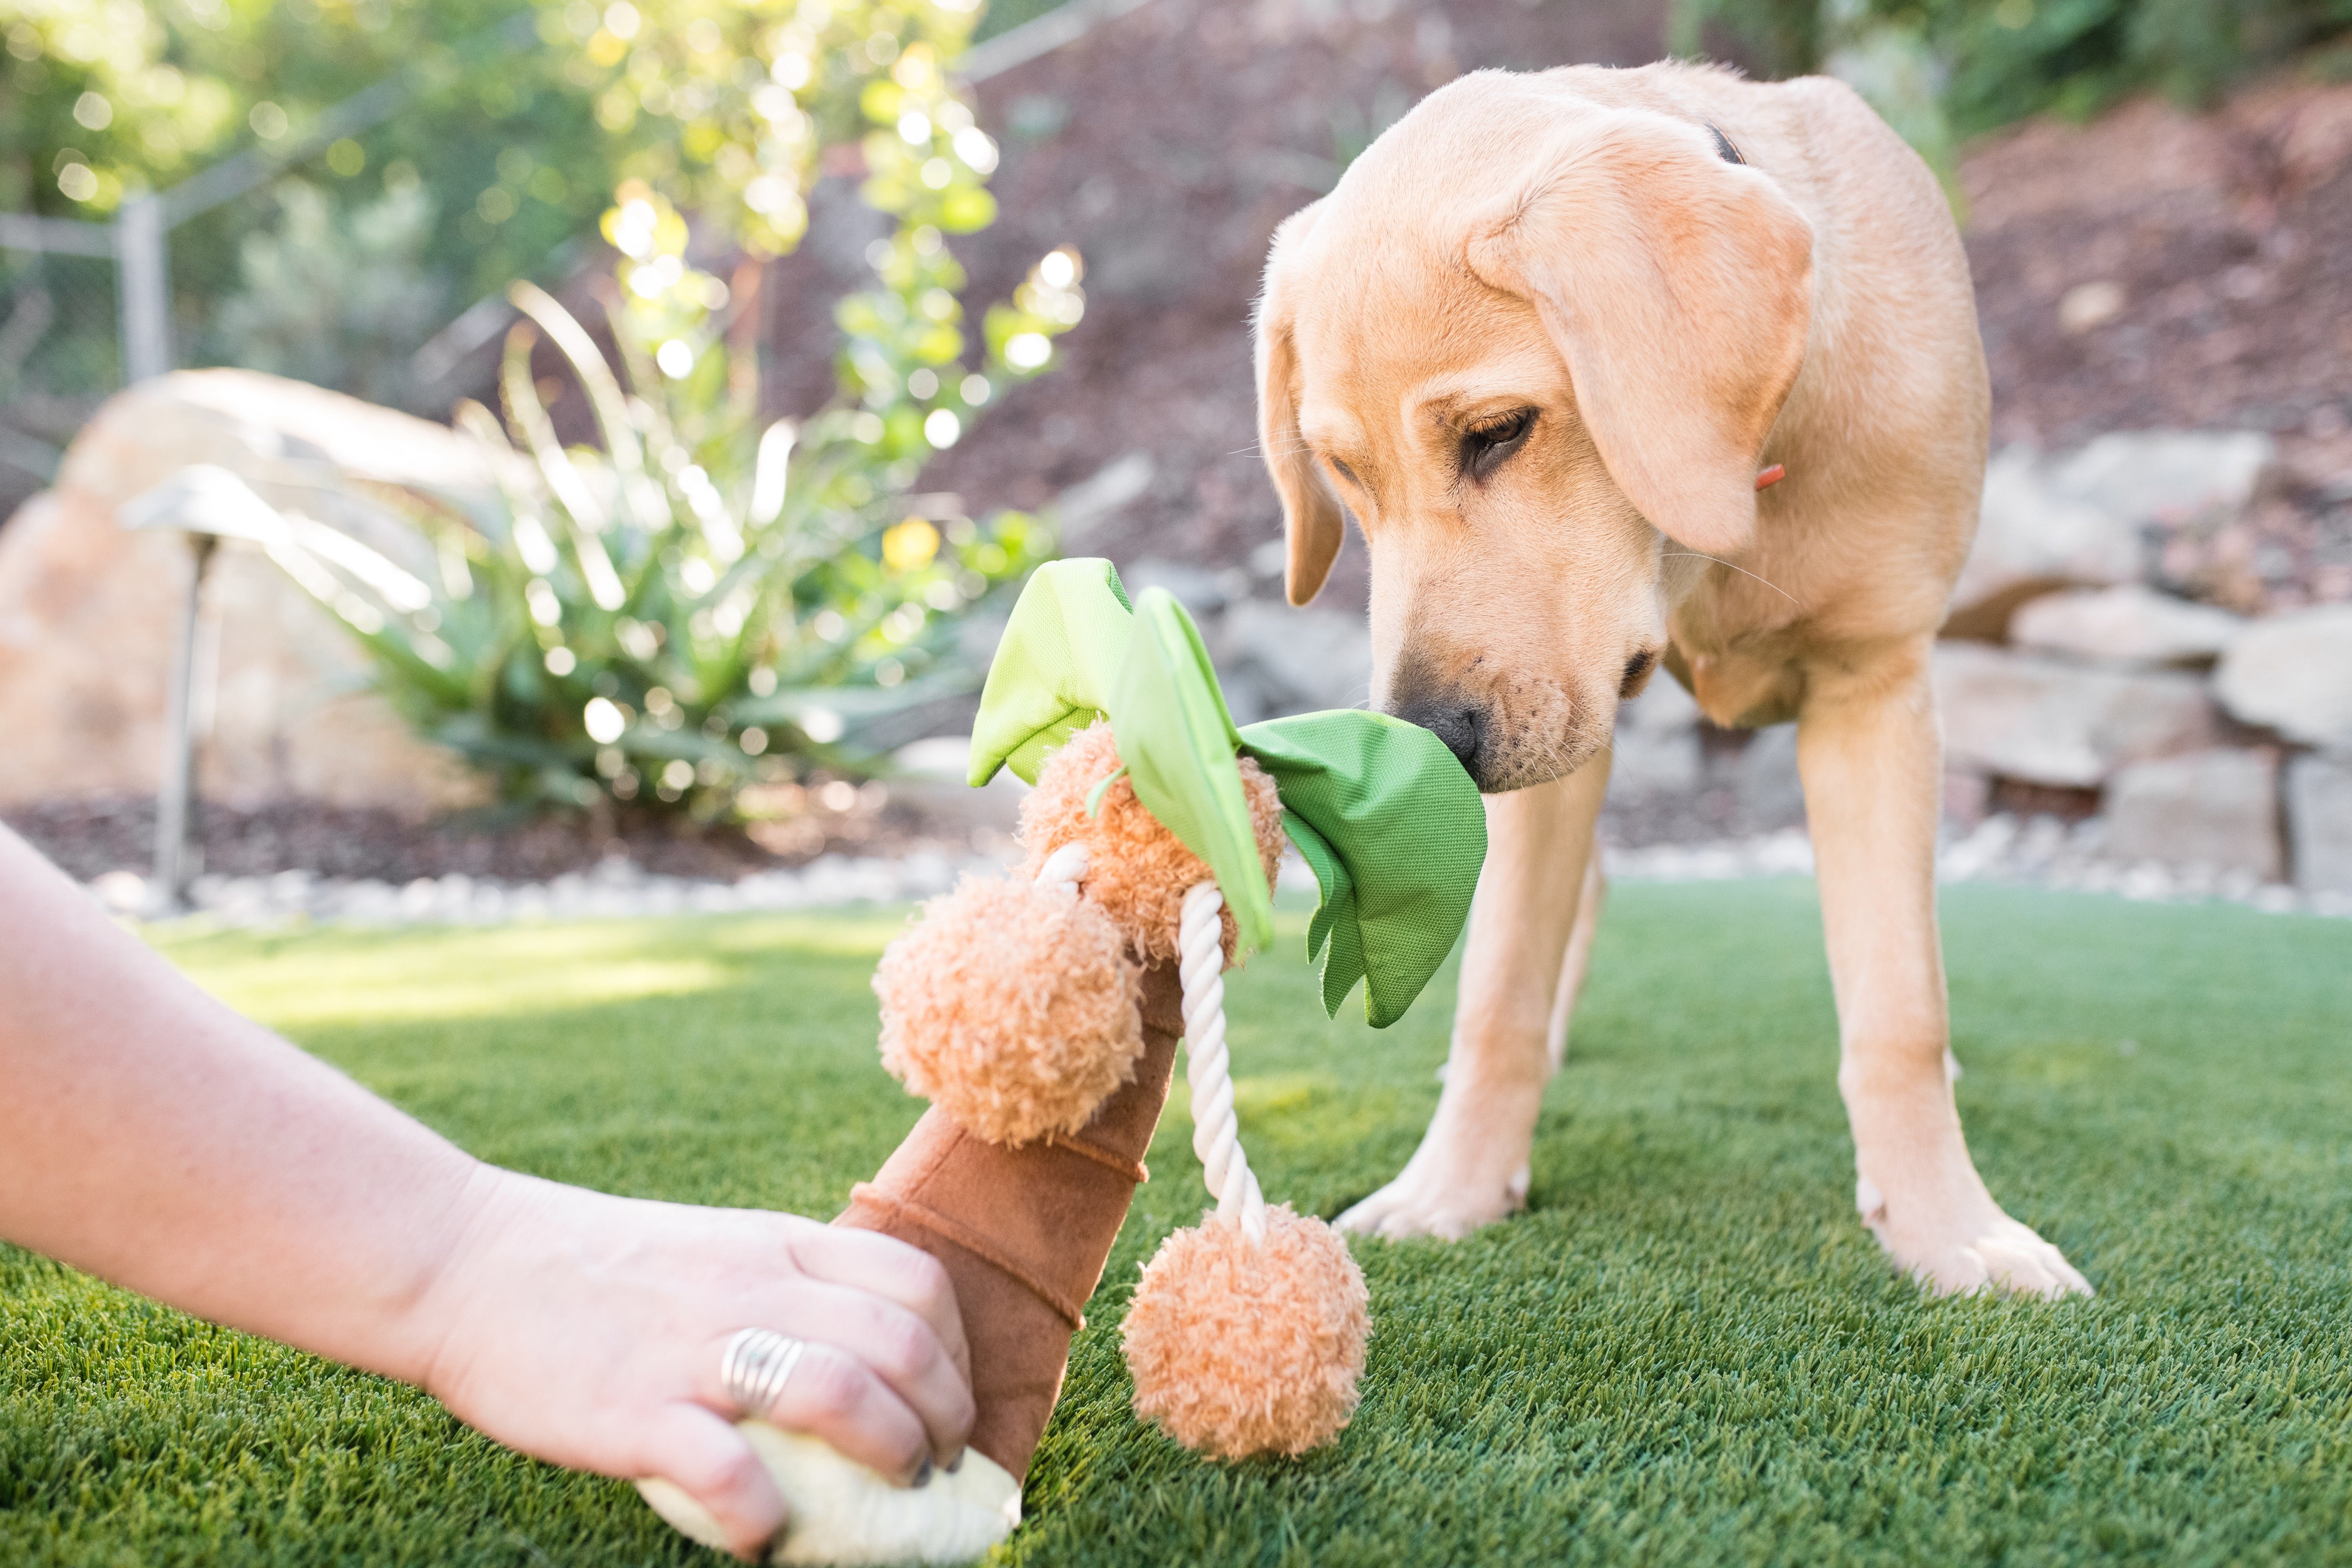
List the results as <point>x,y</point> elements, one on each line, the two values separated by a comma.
<point>1438,1198</point>
<point>1956,1247</point>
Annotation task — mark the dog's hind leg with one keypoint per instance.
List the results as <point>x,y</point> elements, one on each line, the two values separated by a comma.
<point>1868,752</point>
<point>1578,957</point>
<point>1472,1166</point>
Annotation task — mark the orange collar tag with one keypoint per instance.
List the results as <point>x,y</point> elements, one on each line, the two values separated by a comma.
<point>1771,476</point>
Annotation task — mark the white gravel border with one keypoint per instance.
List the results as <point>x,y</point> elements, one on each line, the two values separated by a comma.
<point>2040,851</point>
<point>616,890</point>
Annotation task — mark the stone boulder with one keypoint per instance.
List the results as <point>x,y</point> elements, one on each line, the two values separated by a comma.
<point>89,613</point>
<point>2125,624</point>
<point>1087,509</point>
<point>2052,722</point>
<point>2292,673</point>
<point>1200,591</point>
<point>1274,658</point>
<point>2319,823</point>
<point>931,778</point>
<point>1771,794</point>
<point>2086,517</point>
<point>2216,808</point>
<point>1655,748</point>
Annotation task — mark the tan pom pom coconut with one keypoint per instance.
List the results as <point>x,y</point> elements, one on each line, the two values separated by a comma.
<point>1013,1007</point>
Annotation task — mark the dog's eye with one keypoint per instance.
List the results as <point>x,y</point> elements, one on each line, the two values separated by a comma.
<point>1346,473</point>
<point>1485,447</point>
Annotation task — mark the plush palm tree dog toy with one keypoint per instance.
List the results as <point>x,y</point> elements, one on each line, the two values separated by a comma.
<point>1040,1015</point>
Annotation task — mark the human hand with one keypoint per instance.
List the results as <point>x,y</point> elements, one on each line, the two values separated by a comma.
<point>588,1331</point>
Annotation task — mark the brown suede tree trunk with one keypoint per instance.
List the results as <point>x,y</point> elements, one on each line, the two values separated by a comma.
<point>1024,1233</point>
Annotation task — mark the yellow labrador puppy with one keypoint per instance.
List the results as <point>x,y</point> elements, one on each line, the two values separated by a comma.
<point>1622,367</point>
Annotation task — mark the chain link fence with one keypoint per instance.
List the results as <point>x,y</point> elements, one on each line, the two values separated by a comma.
<point>277,277</point>
<point>260,261</point>
<point>60,344</point>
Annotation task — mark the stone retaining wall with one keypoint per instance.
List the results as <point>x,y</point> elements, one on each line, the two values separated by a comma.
<point>2208,739</point>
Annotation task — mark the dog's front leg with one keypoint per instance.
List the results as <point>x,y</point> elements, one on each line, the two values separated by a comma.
<point>1870,757</point>
<point>1472,1166</point>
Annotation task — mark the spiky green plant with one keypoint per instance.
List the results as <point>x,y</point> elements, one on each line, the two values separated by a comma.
<point>701,600</point>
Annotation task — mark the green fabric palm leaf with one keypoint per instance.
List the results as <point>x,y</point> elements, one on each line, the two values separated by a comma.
<point>1054,668</point>
<point>1385,817</point>
<point>1180,747</point>
<point>1394,831</point>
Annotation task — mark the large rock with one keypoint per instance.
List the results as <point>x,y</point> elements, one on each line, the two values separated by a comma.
<point>1771,794</point>
<point>1275,659</point>
<point>2127,625</point>
<point>89,613</point>
<point>1655,747</point>
<point>2050,721</point>
<point>1198,589</point>
<point>2292,673</point>
<point>1087,509</point>
<point>2319,823</point>
<point>932,778</point>
<point>2086,517</point>
<point>2216,808</point>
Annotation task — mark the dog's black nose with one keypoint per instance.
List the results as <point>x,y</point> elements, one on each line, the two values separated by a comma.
<point>1455,723</point>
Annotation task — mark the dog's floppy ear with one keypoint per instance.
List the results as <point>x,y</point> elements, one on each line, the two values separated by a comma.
<point>1311,517</point>
<point>1678,287</point>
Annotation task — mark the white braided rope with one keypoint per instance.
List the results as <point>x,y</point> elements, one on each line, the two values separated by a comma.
<point>1066,867</point>
<point>1217,1133</point>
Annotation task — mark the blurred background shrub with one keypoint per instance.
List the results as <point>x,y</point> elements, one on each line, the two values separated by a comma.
<point>1993,61</point>
<point>108,97</point>
<point>701,601</point>
<point>337,298</point>
<point>704,598</point>
<point>514,118</point>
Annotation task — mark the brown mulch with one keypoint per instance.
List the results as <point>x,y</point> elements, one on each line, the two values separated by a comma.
<point>91,838</point>
<point>2224,241</point>
<point>2160,269</point>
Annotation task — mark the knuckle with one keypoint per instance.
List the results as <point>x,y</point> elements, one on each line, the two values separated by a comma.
<point>718,1472</point>
<point>902,1346</point>
<point>741,1473</point>
<point>961,1415</point>
<point>834,1385</point>
<point>928,1282</point>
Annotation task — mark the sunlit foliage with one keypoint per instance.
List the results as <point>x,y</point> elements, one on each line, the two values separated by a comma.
<point>520,118</point>
<point>705,597</point>
<point>695,605</point>
<point>1998,60</point>
<point>105,98</point>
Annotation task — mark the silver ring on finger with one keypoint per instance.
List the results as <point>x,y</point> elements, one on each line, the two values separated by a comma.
<point>757,1365</point>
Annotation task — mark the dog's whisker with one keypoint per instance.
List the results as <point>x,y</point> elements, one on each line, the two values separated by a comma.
<point>1744,572</point>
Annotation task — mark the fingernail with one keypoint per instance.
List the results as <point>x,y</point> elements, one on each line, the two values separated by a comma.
<point>923,1476</point>
<point>957,1463</point>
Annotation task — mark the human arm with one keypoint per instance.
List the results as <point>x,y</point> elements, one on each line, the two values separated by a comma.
<point>156,1138</point>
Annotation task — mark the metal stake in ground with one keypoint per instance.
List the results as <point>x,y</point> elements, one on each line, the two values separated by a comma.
<point>175,799</point>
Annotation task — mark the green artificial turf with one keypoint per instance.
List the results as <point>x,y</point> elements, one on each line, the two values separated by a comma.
<point>1687,1351</point>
